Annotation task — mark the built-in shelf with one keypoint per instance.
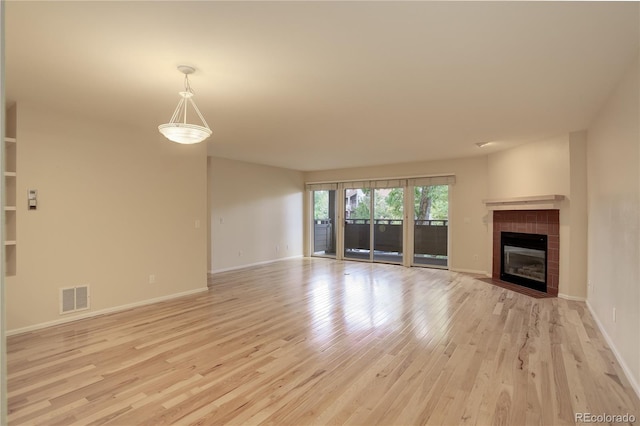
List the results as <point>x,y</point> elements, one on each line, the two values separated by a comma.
<point>10,199</point>
<point>521,203</point>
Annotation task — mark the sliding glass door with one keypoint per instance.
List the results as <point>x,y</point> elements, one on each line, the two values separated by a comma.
<point>401,221</point>
<point>431,225</point>
<point>357,223</point>
<point>388,225</point>
<point>324,223</point>
<point>374,225</point>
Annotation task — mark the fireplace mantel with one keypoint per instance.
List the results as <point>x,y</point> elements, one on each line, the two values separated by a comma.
<point>536,202</point>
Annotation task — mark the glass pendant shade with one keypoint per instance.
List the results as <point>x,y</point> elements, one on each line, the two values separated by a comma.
<point>184,133</point>
<point>177,129</point>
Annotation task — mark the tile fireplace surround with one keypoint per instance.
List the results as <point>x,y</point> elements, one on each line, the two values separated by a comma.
<point>545,222</point>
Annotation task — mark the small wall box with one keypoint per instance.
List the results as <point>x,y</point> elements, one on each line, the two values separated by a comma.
<point>32,197</point>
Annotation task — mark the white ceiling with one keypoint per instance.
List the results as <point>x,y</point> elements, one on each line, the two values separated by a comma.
<point>321,85</point>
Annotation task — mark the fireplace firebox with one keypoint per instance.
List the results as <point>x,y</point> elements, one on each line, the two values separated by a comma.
<point>524,259</point>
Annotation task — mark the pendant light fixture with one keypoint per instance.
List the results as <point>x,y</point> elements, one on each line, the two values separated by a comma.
<point>177,129</point>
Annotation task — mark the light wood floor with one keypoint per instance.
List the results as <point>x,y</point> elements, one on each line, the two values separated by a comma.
<point>315,341</point>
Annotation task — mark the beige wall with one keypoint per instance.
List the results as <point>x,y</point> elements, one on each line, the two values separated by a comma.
<point>614,213</point>
<point>577,285</point>
<point>553,166</point>
<point>114,206</point>
<point>467,215</point>
<point>256,213</point>
<point>536,168</point>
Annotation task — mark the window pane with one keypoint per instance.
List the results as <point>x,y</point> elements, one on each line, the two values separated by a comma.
<point>324,219</point>
<point>388,224</point>
<point>431,215</point>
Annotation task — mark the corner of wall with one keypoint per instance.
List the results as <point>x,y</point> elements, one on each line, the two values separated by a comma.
<point>256,213</point>
<point>578,214</point>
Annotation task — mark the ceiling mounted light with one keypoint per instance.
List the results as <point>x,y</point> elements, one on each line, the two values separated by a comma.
<point>483,144</point>
<point>181,131</point>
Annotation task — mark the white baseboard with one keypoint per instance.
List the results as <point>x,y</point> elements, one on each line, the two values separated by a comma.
<point>248,265</point>
<point>468,271</point>
<point>623,364</point>
<point>85,315</point>
<point>573,298</point>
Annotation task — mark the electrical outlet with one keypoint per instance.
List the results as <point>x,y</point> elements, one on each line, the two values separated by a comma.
<point>277,248</point>
<point>197,223</point>
<point>152,279</point>
<point>239,253</point>
<point>476,257</point>
<point>614,314</point>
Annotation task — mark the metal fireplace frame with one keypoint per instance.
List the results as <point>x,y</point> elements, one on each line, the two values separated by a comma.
<point>530,241</point>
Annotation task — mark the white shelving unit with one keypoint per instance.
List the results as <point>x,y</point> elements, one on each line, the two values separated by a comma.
<point>10,211</point>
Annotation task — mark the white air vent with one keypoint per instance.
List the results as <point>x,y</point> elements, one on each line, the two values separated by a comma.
<point>67,300</point>
<point>74,299</point>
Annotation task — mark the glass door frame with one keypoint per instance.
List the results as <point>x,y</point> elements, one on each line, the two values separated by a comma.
<point>410,260</point>
<point>408,184</point>
<point>372,186</point>
<point>343,191</point>
<point>374,190</point>
<point>334,225</point>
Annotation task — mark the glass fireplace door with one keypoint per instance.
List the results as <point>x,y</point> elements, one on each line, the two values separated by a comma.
<point>524,259</point>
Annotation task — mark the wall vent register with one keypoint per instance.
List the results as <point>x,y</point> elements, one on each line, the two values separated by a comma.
<point>73,299</point>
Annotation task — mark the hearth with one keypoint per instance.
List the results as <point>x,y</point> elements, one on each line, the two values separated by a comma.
<point>524,259</point>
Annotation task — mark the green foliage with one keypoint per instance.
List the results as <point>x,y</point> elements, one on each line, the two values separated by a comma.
<point>430,202</point>
<point>387,204</point>
<point>395,203</point>
<point>439,195</point>
<point>320,205</point>
<point>362,209</point>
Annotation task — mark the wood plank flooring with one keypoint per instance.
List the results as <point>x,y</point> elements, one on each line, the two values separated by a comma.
<point>316,341</point>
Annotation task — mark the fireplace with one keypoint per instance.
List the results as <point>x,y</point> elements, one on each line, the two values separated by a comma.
<point>538,223</point>
<point>524,259</point>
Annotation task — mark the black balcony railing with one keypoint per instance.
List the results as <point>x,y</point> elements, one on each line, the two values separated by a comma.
<point>323,236</point>
<point>430,222</point>
<point>430,236</point>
